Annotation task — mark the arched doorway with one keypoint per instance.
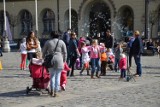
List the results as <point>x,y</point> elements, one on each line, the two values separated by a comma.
<point>74,20</point>
<point>26,22</point>
<point>125,20</point>
<point>99,18</point>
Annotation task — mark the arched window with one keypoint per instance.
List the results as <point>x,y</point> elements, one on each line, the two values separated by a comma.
<point>48,21</point>
<point>126,20</point>
<point>26,22</point>
<point>74,20</point>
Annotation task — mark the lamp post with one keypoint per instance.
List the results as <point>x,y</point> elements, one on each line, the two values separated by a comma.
<point>69,14</point>
<point>6,47</point>
<point>36,12</point>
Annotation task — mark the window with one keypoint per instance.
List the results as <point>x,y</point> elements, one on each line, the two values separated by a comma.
<point>48,21</point>
<point>26,22</point>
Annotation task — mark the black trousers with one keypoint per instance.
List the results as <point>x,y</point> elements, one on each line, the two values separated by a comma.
<point>103,67</point>
<point>72,61</point>
<point>130,59</point>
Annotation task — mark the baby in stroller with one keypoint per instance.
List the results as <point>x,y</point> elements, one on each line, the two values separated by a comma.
<point>39,74</point>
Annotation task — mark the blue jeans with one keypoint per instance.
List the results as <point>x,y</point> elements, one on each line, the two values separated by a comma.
<point>137,59</point>
<point>55,79</point>
<point>123,73</point>
<point>95,65</point>
<point>116,65</point>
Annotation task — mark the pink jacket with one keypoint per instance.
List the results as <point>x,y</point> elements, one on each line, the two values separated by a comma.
<point>94,51</point>
<point>123,63</point>
<point>66,68</point>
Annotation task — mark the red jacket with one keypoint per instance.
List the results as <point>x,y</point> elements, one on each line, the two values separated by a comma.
<point>123,63</point>
<point>66,68</point>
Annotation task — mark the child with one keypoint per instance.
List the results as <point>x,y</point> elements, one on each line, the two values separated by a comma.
<point>63,80</point>
<point>103,59</point>
<point>118,51</point>
<point>123,66</point>
<point>110,59</point>
<point>23,54</point>
<point>85,58</point>
<point>95,56</point>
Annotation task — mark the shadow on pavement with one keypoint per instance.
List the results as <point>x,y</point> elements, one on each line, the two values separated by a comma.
<point>149,67</point>
<point>16,76</point>
<point>22,93</point>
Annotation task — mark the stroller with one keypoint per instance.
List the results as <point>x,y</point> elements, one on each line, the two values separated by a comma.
<point>39,75</point>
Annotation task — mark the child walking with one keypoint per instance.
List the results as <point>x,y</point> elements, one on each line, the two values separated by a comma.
<point>103,59</point>
<point>63,80</point>
<point>95,56</point>
<point>118,51</point>
<point>23,54</point>
<point>123,66</point>
<point>85,58</point>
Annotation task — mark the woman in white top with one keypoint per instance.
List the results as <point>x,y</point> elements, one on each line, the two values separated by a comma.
<point>23,54</point>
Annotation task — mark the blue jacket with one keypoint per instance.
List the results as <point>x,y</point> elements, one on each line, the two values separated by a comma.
<point>66,38</point>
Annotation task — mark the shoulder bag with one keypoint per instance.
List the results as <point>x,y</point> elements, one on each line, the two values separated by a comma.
<point>48,58</point>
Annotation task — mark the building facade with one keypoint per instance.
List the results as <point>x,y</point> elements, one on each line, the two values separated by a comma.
<point>88,17</point>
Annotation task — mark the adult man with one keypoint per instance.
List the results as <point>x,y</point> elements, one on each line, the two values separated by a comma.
<point>137,51</point>
<point>66,37</point>
<point>108,39</point>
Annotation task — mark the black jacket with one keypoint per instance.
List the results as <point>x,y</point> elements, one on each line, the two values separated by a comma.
<point>109,41</point>
<point>137,46</point>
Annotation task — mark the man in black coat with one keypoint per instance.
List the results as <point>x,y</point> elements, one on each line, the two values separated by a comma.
<point>108,39</point>
<point>137,51</point>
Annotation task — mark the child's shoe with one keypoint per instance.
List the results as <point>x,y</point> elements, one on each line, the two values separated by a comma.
<point>63,87</point>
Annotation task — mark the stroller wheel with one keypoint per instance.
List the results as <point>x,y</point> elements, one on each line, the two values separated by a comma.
<point>127,78</point>
<point>27,90</point>
<point>38,89</point>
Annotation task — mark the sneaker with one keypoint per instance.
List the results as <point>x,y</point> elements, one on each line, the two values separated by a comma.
<point>56,95</point>
<point>80,74</point>
<point>63,87</point>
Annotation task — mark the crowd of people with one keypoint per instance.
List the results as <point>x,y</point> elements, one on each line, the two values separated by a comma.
<point>95,55</point>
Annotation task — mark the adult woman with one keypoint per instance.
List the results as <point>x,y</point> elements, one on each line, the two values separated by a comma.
<point>73,52</point>
<point>59,58</point>
<point>31,43</point>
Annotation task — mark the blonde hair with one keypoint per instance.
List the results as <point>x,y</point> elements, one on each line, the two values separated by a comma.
<point>123,55</point>
<point>95,41</point>
<point>137,33</point>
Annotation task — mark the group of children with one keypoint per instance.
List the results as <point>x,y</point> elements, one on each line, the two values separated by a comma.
<point>100,57</point>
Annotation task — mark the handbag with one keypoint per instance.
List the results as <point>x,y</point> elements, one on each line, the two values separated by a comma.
<point>48,58</point>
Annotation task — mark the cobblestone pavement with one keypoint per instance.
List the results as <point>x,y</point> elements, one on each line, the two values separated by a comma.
<point>81,91</point>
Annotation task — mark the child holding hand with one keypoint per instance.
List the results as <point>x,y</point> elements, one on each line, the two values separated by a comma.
<point>63,79</point>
